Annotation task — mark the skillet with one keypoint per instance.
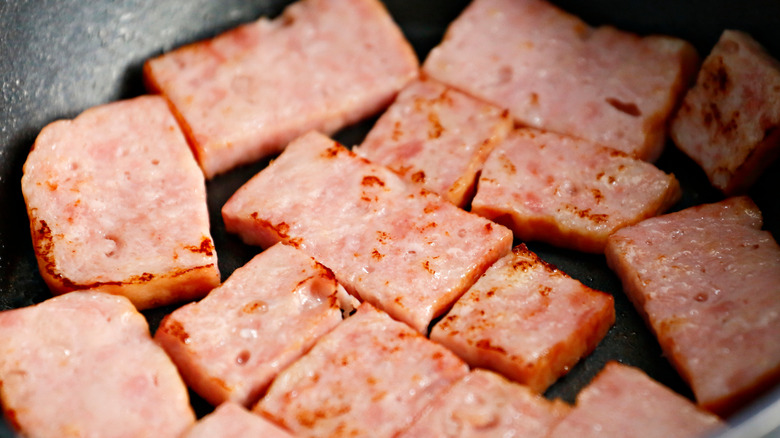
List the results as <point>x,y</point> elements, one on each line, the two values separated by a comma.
<point>60,57</point>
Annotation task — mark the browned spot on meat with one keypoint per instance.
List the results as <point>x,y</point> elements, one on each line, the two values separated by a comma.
<point>143,278</point>
<point>376,255</point>
<point>435,129</point>
<point>597,195</point>
<point>430,208</point>
<point>243,357</point>
<point>382,237</point>
<point>418,177</point>
<point>333,150</point>
<point>397,132</point>
<point>544,290</point>
<point>206,247</point>
<point>371,181</point>
<point>308,418</point>
<point>490,293</point>
<point>489,227</point>
<point>534,99</point>
<point>507,164</point>
<point>427,266</point>
<point>221,383</point>
<point>629,108</point>
<point>485,344</point>
<point>715,77</point>
<point>614,153</point>
<point>257,306</point>
<point>175,329</point>
<point>587,214</point>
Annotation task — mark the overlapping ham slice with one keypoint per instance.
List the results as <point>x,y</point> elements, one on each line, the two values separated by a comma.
<point>117,203</point>
<point>568,192</point>
<point>554,72</point>
<point>83,364</point>
<point>527,320</point>
<point>729,123</point>
<point>707,280</point>
<point>321,65</point>
<point>436,136</point>
<point>370,376</point>
<point>231,420</point>
<point>623,401</point>
<point>398,246</point>
<point>484,404</point>
<point>231,344</point>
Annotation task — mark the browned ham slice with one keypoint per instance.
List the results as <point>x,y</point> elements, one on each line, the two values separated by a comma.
<point>568,192</point>
<point>527,320</point>
<point>83,365</point>
<point>729,123</point>
<point>554,72</point>
<point>623,401</point>
<point>484,404</point>
<point>436,136</point>
<point>231,420</point>
<point>370,376</point>
<point>322,65</point>
<point>398,246</point>
<point>231,344</point>
<point>707,280</point>
<point>117,203</point>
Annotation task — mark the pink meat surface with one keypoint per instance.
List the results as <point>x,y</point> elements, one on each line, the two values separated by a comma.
<point>484,404</point>
<point>527,320</point>
<point>398,246</point>
<point>231,420</point>
<point>707,280</point>
<point>438,137</point>
<point>554,72</point>
<point>729,123</point>
<point>568,192</point>
<point>321,65</point>
<point>84,365</point>
<point>117,203</point>
<point>370,376</point>
<point>623,401</point>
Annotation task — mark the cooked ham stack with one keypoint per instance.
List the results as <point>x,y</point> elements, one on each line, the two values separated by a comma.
<point>525,125</point>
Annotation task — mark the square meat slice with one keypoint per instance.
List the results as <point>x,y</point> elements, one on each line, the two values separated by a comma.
<point>707,281</point>
<point>729,122</point>
<point>370,376</point>
<point>321,65</point>
<point>623,401</point>
<point>554,72</point>
<point>485,404</point>
<point>118,204</point>
<point>84,365</point>
<point>568,192</point>
<point>527,320</point>
<point>398,246</point>
<point>231,344</point>
<point>436,136</point>
<point>231,420</point>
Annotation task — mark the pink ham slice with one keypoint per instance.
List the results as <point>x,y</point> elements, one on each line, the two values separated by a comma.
<point>117,203</point>
<point>707,280</point>
<point>554,72</point>
<point>623,401</point>
<point>231,344</point>
<point>84,365</point>
<point>400,247</point>
<point>484,404</point>
<point>729,123</point>
<point>370,376</point>
<point>322,65</point>
<point>527,320</point>
<point>568,192</point>
<point>436,136</point>
<point>231,420</point>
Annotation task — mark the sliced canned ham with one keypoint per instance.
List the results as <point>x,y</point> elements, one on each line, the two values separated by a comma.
<point>321,65</point>
<point>398,246</point>
<point>554,72</point>
<point>84,365</point>
<point>231,420</point>
<point>117,203</point>
<point>707,281</point>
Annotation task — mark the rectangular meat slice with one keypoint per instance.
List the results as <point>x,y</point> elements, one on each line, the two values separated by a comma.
<point>370,376</point>
<point>729,122</point>
<point>231,344</point>
<point>623,401</point>
<point>438,137</point>
<point>321,65</point>
<point>568,192</point>
<point>707,280</point>
<point>231,420</point>
<point>554,72</point>
<point>484,404</point>
<point>117,203</point>
<point>527,320</point>
<point>84,365</point>
<point>398,246</point>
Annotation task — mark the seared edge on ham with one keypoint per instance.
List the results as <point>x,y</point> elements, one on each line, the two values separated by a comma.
<point>231,420</point>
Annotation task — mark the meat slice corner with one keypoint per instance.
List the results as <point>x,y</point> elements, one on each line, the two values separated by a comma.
<point>321,65</point>
<point>231,420</point>
<point>526,320</point>
<point>707,281</point>
<point>117,203</point>
<point>729,122</point>
<point>568,192</point>
<point>84,364</point>
<point>437,136</point>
